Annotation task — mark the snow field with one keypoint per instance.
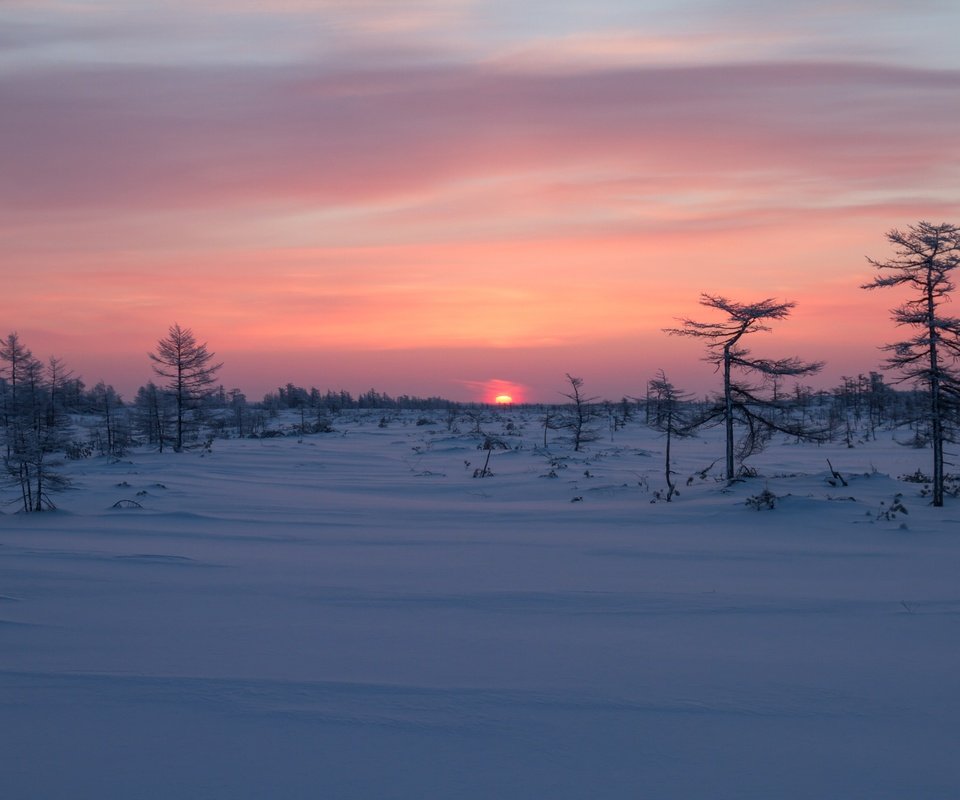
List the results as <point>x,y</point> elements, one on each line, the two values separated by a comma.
<point>353,615</point>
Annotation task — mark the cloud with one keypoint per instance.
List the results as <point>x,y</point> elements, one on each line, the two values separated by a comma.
<point>195,138</point>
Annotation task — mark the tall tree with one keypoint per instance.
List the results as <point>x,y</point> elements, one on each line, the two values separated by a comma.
<point>113,437</point>
<point>581,413</point>
<point>741,400</point>
<point>925,255</point>
<point>670,415</point>
<point>16,362</point>
<point>58,375</point>
<point>32,430</point>
<point>152,414</point>
<point>189,369</point>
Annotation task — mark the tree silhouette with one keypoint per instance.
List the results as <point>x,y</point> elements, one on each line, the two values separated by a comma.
<point>580,415</point>
<point>186,364</point>
<point>31,428</point>
<point>741,401</point>
<point>925,256</point>
<point>671,416</point>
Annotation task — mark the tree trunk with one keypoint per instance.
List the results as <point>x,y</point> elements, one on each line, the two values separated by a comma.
<point>179,445</point>
<point>936,421</point>
<point>39,497</point>
<point>670,487</point>
<point>25,487</point>
<point>728,412</point>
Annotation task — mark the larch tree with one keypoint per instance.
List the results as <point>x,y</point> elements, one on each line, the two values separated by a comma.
<point>668,411</point>
<point>17,362</point>
<point>152,414</point>
<point>925,256</point>
<point>188,367</point>
<point>581,413</point>
<point>58,376</point>
<point>31,429</point>
<point>742,401</point>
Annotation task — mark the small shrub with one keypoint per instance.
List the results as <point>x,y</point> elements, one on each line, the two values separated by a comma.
<point>556,463</point>
<point>951,483</point>
<point>889,512</point>
<point>659,495</point>
<point>765,500</point>
<point>916,477</point>
<point>490,443</point>
<point>76,451</point>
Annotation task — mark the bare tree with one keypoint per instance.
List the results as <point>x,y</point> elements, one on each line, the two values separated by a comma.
<point>742,401</point>
<point>151,414</point>
<point>238,407</point>
<point>58,375</point>
<point>926,254</point>
<point>581,413</point>
<point>552,421</point>
<point>186,364</point>
<point>670,417</point>
<point>17,361</point>
<point>113,437</point>
<point>32,430</point>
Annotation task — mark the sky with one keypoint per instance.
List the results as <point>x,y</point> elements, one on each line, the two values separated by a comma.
<point>463,198</point>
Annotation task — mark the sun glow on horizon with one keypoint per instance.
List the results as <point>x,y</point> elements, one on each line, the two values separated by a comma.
<point>500,392</point>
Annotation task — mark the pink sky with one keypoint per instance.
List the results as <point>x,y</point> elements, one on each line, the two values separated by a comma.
<point>430,201</point>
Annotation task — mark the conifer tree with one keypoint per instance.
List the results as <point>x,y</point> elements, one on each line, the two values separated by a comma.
<point>925,257</point>
<point>742,401</point>
<point>32,429</point>
<point>669,414</point>
<point>580,415</point>
<point>186,364</point>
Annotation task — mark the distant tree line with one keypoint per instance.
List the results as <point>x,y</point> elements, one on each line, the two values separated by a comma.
<point>291,396</point>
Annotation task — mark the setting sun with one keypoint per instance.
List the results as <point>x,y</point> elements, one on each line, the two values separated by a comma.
<point>503,399</point>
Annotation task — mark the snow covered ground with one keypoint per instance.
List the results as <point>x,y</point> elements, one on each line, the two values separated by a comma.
<point>354,615</point>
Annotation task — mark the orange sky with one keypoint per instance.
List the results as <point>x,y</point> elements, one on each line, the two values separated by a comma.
<point>460,198</point>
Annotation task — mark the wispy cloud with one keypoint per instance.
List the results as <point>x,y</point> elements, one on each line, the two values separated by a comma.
<point>175,138</point>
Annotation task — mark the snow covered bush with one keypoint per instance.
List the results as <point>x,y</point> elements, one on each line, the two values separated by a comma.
<point>765,500</point>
